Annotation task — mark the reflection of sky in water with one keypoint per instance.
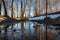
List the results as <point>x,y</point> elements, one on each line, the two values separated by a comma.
<point>28,26</point>
<point>28,29</point>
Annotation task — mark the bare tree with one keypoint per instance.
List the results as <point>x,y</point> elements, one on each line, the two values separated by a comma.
<point>30,7</point>
<point>0,8</point>
<point>12,14</point>
<point>39,8</point>
<point>17,8</point>
<point>56,4</point>
<point>23,6</point>
<point>50,5</point>
<point>36,8</point>
<point>4,8</point>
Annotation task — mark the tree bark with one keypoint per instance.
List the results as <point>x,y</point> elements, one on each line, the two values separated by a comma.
<point>30,7</point>
<point>39,8</point>
<point>16,7</point>
<point>4,8</point>
<point>0,9</point>
<point>21,9</point>
<point>12,15</point>
<point>23,6</point>
<point>35,8</point>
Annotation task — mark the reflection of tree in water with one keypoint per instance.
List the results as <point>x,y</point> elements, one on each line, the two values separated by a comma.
<point>59,31</point>
<point>35,36</point>
<point>51,33</point>
<point>5,34</point>
<point>13,30</point>
<point>22,24</point>
<point>23,31</point>
<point>0,30</point>
<point>30,35</point>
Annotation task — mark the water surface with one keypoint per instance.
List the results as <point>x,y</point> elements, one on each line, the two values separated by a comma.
<point>27,30</point>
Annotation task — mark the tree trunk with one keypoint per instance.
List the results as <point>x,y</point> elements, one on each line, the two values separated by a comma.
<point>35,8</point>
<point>4,8</point>
<point>21,9</point>
<point>0,9</point>
<point>30,7</point>
<point>12,15</point>
<point>17,7</point>
<point>39,8</point>
<point>46,19</point>
<point>23,6</point>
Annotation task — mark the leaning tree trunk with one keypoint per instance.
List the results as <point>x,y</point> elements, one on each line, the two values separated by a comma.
<point>4,8</point>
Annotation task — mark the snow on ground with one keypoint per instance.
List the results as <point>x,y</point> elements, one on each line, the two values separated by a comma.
<point>42,17</point>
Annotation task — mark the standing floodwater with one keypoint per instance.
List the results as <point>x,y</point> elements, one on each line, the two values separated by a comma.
<point>26,30</point>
